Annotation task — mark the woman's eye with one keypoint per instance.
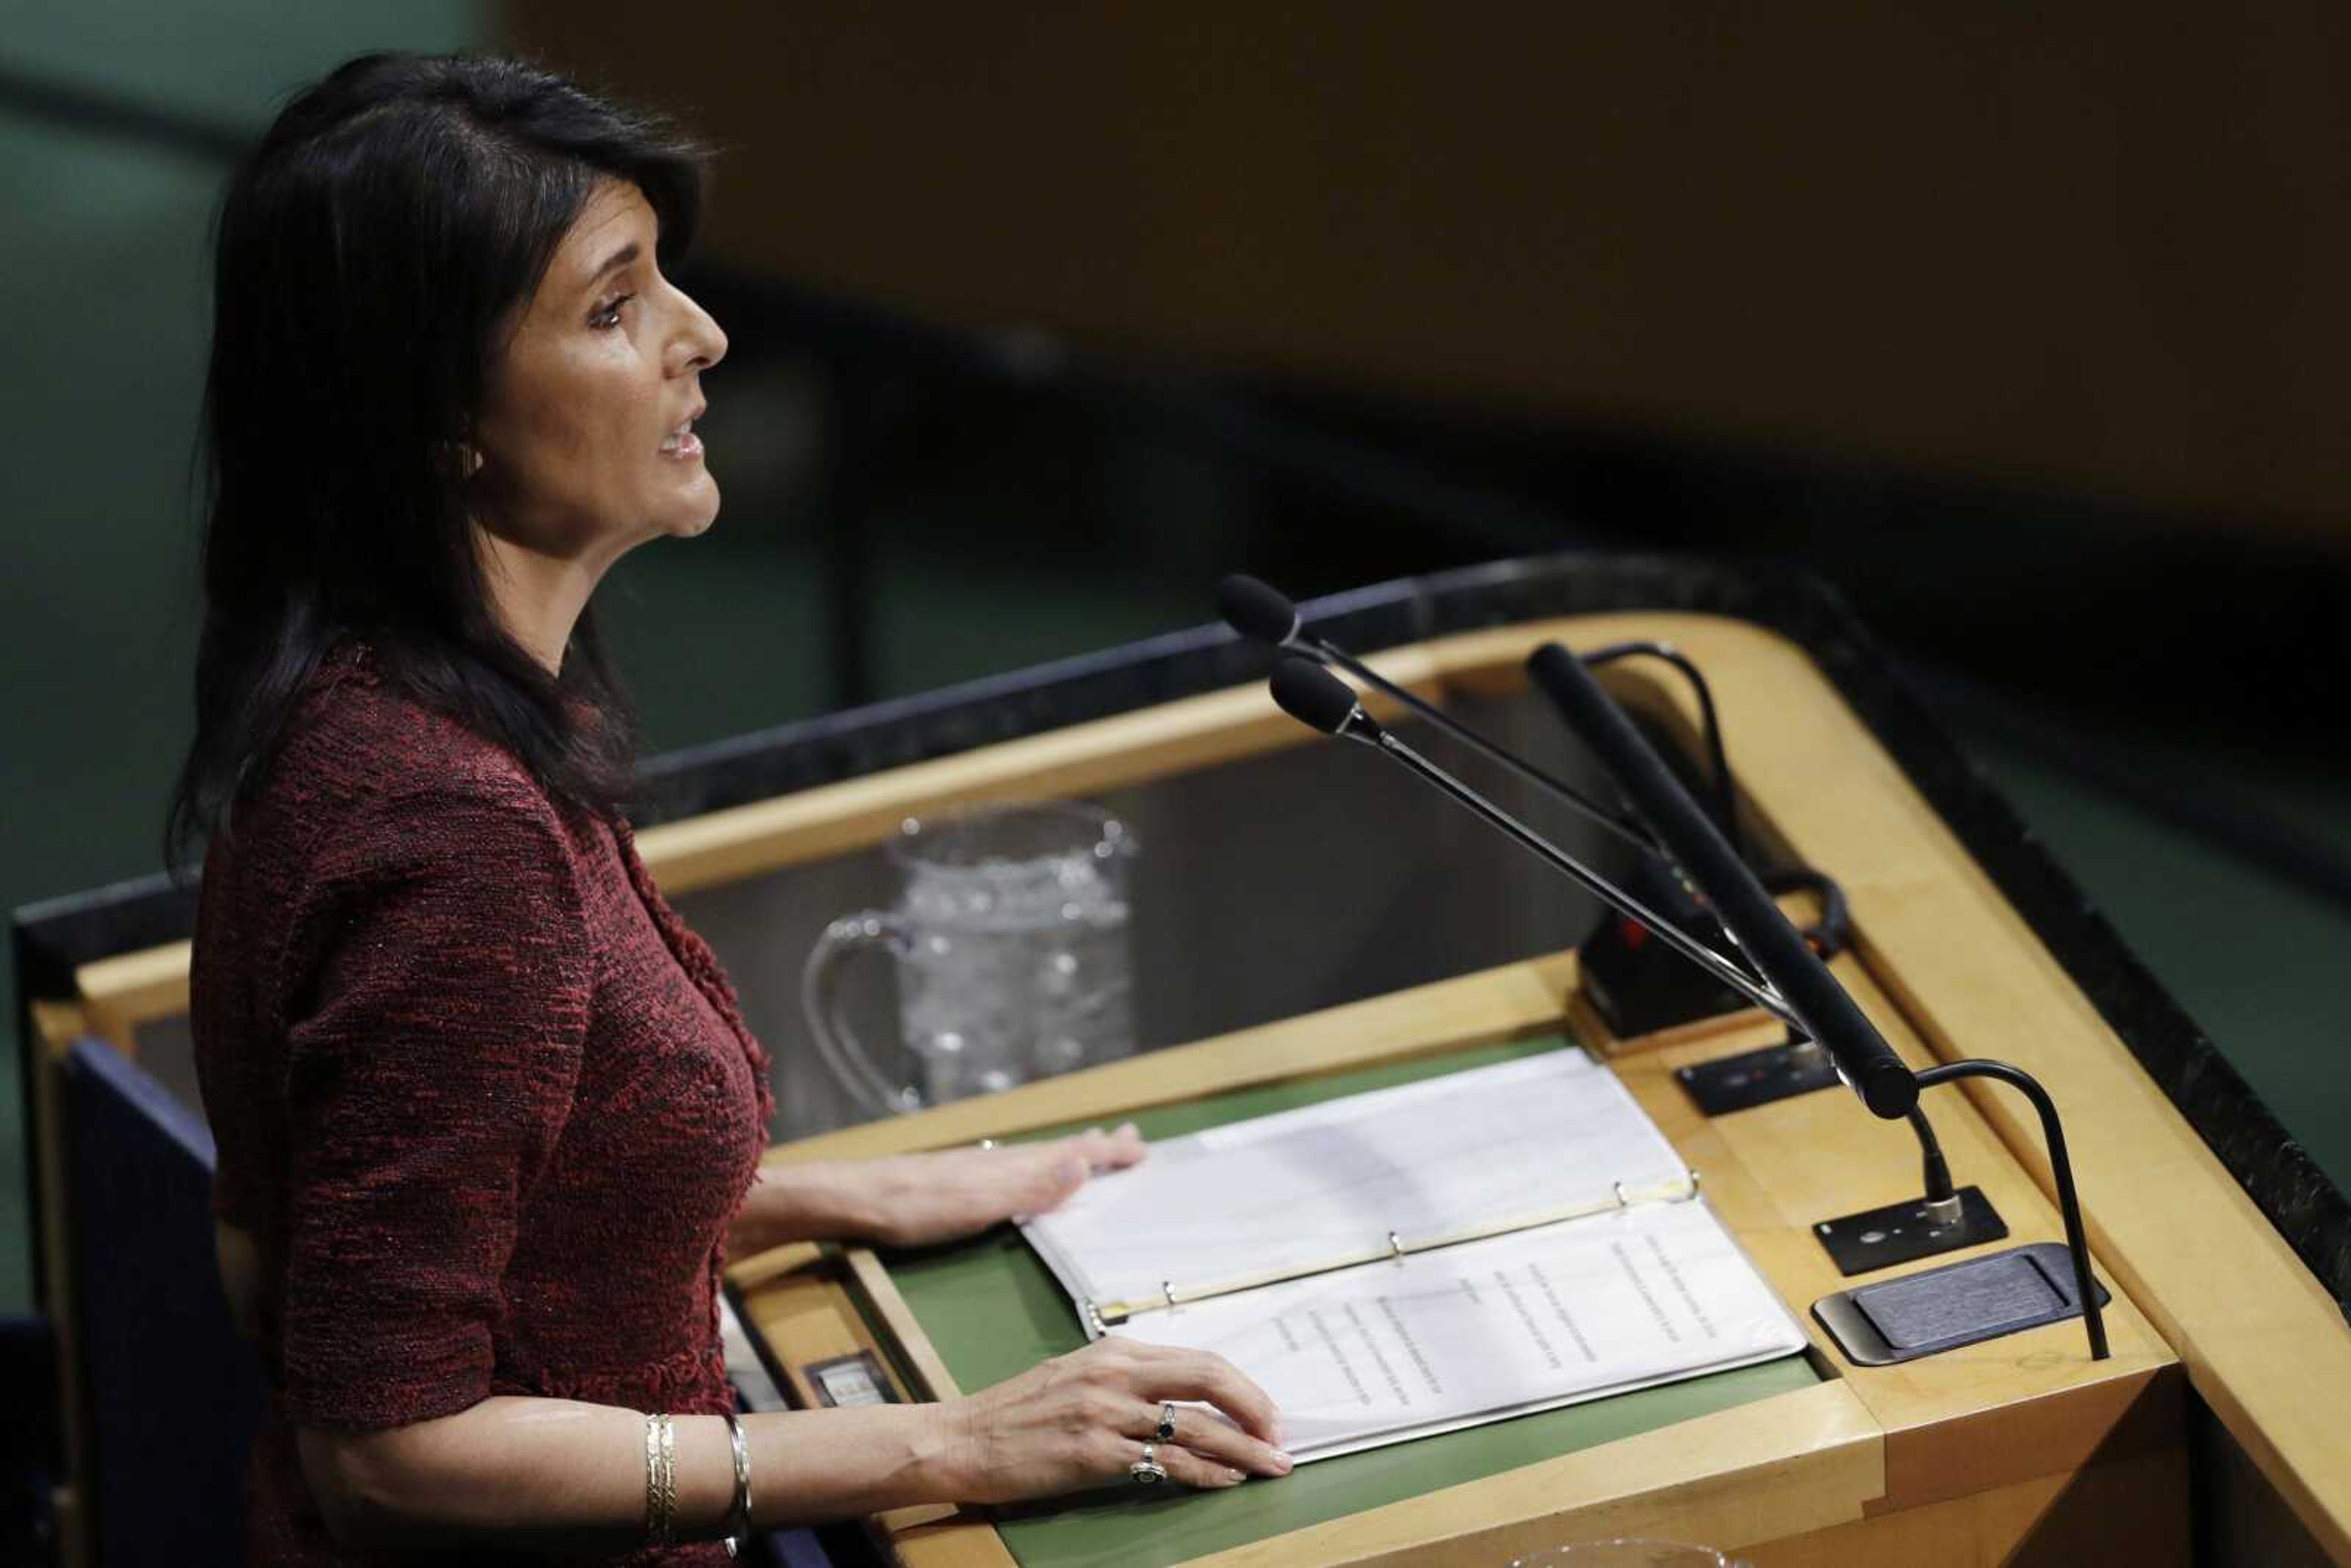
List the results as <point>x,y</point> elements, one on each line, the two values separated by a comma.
<point>609,313</point>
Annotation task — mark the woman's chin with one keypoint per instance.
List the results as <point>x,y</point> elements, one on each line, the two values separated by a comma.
<point>693,521</point>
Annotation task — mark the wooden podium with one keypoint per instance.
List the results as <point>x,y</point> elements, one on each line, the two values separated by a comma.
<point>2018,1449</point>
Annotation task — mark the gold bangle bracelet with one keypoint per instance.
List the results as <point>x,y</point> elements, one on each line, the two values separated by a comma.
<point>652,1478</point>
<point>661,1480</point>
<point>669,1481</point>
<point>738,1516</point>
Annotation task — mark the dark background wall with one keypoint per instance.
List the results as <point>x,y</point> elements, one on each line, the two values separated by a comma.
<point>2094,248</point>
<point>2020,326</point>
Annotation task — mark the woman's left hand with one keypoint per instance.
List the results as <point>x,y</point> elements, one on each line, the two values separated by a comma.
<point>915,1200</point>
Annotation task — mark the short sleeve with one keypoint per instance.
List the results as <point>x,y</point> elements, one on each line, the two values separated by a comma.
<point>431,1051</point>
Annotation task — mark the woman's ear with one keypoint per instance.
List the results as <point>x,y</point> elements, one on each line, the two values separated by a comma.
<point>459,460</point>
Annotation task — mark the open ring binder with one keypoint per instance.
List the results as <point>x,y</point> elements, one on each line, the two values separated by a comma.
<point>1099,1316</point>
<point>1424,1256</point>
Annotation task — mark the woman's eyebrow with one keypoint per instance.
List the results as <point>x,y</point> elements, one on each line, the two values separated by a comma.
<point>613,263</point>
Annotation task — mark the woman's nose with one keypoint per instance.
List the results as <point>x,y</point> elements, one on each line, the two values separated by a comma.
<point>703,340</point>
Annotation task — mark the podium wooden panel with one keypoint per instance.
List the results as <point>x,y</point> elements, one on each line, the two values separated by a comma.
<point>2016,1450</point>
<point>2007,1449</point>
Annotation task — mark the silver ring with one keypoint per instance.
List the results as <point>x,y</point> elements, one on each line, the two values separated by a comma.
<point>1167,1433</point>
<point>1147,1470</point>
<point>989,1144</point>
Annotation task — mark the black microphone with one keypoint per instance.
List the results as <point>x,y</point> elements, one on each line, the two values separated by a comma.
<point>1256,610</point>
<point>1320,700</point>
<point>1820,1006</point>
<point>1259,611</point>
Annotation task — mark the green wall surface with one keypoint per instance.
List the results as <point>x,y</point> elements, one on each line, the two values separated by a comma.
<point>228,61</point>
<point>2247,953</point>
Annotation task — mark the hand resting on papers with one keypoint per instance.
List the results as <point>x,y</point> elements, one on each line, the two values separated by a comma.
<point>920,1200</point>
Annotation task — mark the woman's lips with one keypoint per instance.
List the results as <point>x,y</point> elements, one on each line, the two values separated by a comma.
<point>682,443</point>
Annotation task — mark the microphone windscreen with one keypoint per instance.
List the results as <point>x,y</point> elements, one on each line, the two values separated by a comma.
<point>1255,609</point>
<point>1312,696</point>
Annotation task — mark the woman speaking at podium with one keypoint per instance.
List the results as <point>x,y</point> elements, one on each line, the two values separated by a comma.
<point>488,1117</point>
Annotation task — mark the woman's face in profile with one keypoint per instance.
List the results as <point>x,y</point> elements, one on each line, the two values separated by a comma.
<point>584,445</point>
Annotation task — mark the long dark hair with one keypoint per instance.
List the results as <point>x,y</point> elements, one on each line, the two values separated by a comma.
<point>371,252</point>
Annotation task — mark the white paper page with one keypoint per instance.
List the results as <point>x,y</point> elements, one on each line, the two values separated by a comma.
<point>1527,1321</point>
<point>1301,1188</point>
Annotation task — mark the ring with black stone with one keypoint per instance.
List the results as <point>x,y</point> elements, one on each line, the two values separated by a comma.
<point>1167,1433</point>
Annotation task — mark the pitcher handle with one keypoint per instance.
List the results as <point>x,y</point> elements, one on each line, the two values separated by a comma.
<point>836,1042</point>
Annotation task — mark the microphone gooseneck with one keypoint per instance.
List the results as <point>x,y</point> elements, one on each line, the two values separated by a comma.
<point>1709,726</point>
<point>1322,701</point>
<point>2061,1167</point>
<point>1263,613</point>
<point>1822,1007</point>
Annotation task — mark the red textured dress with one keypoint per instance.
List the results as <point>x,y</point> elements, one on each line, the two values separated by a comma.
<point>482,1102</point>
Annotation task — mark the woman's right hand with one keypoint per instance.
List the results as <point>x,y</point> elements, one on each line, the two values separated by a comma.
<point>1080,1420</point>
